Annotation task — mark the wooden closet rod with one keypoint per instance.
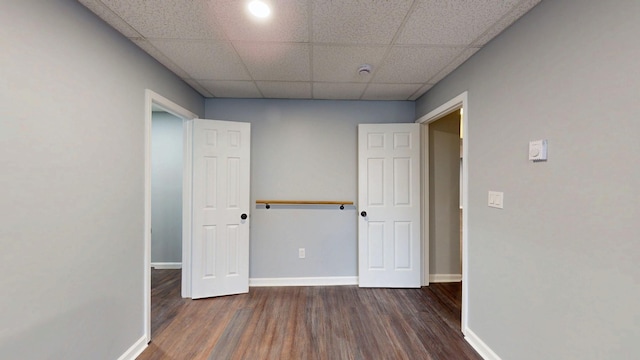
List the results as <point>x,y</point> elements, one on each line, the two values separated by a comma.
<point>304,202</point>
<point>268,203</point>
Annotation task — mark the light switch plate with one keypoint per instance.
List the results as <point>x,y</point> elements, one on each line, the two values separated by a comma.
<point>496,199</point>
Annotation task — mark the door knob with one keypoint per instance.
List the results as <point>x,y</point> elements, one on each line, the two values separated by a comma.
<point>363,214</point>
<point>243,216</point>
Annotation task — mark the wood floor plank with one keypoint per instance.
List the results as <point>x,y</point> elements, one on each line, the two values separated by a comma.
<point>315,323</point>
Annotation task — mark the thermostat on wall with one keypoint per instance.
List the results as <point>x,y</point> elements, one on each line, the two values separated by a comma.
<point>538,150</point>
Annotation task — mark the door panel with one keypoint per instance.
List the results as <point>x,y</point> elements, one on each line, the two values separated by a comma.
<point>402,242</point>
<point>389,201</point>
<point>402,181</point>
<point>209,245</point>
<point>220,253</point>
<point>211,171</point>
<point>375,182</point>
<point>375,244</point>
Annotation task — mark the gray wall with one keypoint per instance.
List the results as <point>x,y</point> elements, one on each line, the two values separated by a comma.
<point>166,188</point>
<point>444,195</point>
<point>555,274</point>
<point>72,180</point>
<point>305,150</point>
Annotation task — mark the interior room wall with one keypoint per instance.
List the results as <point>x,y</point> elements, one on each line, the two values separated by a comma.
<point>444,196</point>
<point>72,159</point>
<point>305,150</point>
<point>554,275</point>
<point>166,188</point>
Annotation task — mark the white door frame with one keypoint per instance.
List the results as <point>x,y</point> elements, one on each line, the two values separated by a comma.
<point>151,99</point>
<point>460,101</point>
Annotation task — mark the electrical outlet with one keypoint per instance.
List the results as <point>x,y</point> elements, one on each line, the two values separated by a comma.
<point>301,253</point>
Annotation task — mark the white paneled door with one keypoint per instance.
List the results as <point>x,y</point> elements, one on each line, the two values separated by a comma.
<point>389,205</point>
<point>220,245</point>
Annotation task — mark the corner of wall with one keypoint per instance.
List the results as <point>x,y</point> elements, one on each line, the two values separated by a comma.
<point>483,349</point>
<point>136,349</point>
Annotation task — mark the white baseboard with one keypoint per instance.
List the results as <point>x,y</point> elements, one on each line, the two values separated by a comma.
<point>438,278</point>
<point>166,265</point>
<point>305,281</point>
<point>136,349</point>
<point>483,349</point>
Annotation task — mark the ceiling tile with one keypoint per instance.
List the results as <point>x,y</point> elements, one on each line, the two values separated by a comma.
<point>345,91</point>
<point>336,63</point>
<point>285,90</point>
<point>288,21</point>
<point>452,22</point>
<point>311,48</point>
<point>204,60</point>
<point>162,59</point>
<point>414,64</point>
<point>232,89</point>
<point>273,61</point>
<point>506,21</point>
<point>169,19</point>
<point>464,56</point>
<point>358,21</point>
<point>390,91</point>
<point>106,14</point>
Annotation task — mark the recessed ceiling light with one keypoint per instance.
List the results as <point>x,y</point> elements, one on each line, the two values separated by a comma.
<point>259,9</point>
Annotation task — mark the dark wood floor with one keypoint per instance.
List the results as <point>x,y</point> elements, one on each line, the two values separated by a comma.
<point>337,322</point>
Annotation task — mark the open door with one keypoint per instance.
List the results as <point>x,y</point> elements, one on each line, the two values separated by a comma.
<point>389,205</point>
<point>220,241</point>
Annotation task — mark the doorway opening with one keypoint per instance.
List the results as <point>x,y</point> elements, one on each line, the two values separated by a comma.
<point>453,135</point>
<point>166,212</point>
<point>166,189</point>
<point>445,210</point>
<point>161,108</point>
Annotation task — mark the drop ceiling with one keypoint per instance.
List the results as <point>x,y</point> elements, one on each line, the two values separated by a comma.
<point>311,49</point>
